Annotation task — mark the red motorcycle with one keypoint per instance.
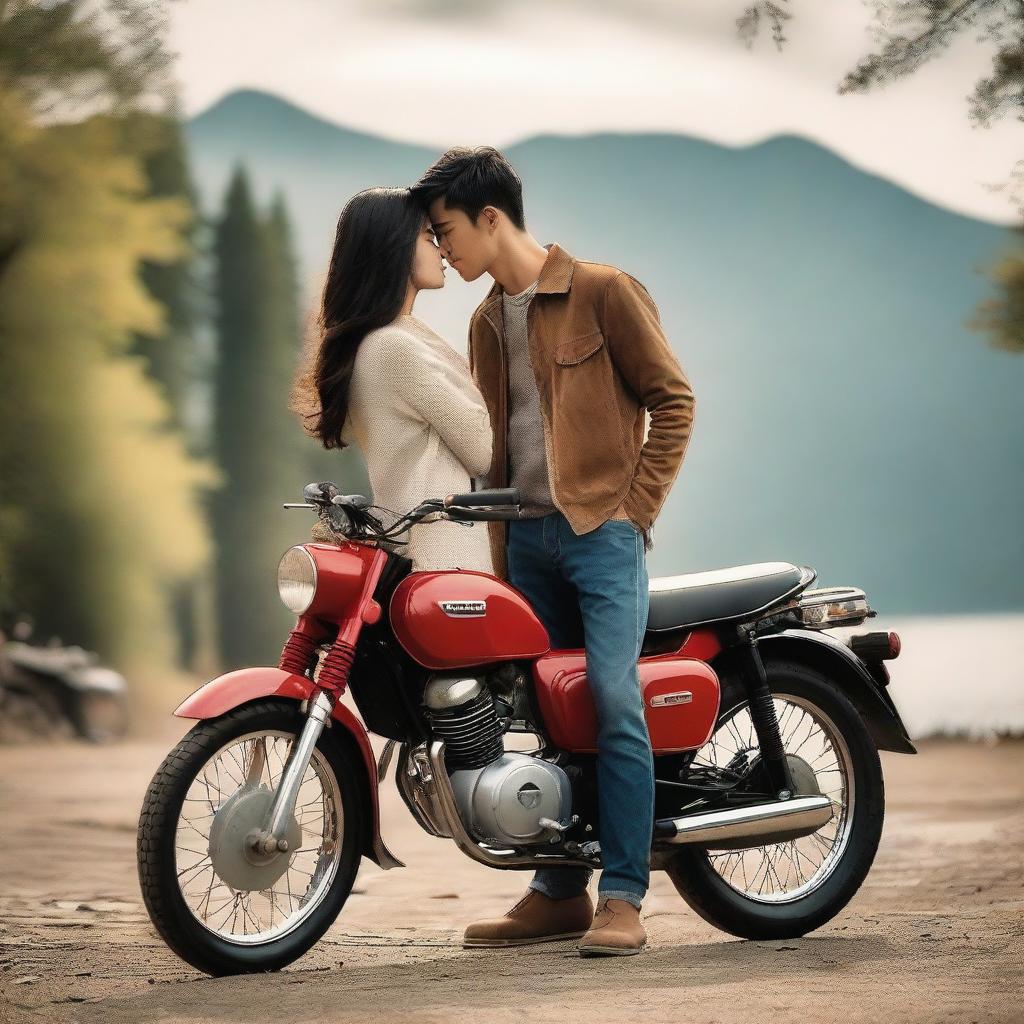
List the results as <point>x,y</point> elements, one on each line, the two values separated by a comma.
<point>765,729</point>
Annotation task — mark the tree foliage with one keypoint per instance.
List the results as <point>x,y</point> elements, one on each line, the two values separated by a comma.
<point>1002,316</point>
<point>71,58</point>
<point>255,438</point>
<point>171,353</point>
<point>99,499</point>
<point>909,33</point>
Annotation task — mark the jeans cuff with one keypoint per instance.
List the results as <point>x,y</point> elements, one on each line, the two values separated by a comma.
<point>635,898</point>
<point>557,890</point>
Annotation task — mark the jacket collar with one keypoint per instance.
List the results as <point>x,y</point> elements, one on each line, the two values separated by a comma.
<point>555,276</point>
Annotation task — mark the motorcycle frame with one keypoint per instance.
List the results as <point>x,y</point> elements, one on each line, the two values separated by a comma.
<point>724,644</point>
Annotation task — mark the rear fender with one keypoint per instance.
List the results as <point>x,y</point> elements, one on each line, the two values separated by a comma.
<point>830,655</point>
<point>233,689</point>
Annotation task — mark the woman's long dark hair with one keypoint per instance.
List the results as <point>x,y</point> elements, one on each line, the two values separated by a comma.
<point>366,286</point>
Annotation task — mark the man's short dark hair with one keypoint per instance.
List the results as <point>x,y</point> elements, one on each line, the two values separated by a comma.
<point>469,179</point>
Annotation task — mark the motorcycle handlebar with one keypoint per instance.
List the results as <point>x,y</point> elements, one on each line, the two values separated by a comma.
<point>491,514</point>
<point>495,496</point>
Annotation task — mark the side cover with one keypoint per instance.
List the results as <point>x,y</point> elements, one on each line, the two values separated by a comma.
<point>681,697</point>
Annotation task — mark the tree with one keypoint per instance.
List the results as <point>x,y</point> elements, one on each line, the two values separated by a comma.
<point>1003,316</point>
<point>170,355</point>
<point>68,56</point>
<point>99,510</point>
<point>909,33</point>
<point>254,435</point>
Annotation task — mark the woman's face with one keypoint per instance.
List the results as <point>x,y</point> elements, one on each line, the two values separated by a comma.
<point>427,264</point>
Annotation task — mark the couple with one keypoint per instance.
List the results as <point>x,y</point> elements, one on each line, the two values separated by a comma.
<point>565,357</point>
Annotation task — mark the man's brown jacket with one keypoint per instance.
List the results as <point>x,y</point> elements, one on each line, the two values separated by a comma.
<point>600,359</point>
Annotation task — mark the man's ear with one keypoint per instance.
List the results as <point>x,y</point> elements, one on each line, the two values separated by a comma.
<point>490,214</point>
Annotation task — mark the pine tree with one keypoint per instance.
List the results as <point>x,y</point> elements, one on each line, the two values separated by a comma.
<point>253,432</point>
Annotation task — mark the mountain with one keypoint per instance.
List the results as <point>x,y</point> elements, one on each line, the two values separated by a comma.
<point>846,417</point>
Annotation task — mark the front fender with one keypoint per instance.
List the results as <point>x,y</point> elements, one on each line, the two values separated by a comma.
<point>832,656</point>
<point>245,685</point>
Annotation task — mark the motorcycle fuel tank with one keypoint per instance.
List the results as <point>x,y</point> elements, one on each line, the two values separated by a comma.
<point>457,618</point>
<point>681,697</point>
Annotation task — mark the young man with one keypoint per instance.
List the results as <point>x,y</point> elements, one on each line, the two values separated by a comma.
<point>568,356</point>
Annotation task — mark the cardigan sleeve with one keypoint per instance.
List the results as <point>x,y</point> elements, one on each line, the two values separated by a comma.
<point>443,396</point>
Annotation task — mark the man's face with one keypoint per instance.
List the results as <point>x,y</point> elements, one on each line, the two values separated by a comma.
<point>469,248</point>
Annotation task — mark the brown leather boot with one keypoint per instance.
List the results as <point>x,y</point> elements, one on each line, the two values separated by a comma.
<point>616,930</point>
<point>535,918</point>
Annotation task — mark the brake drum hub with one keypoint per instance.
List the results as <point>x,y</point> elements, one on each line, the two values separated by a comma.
<point>233,853</point>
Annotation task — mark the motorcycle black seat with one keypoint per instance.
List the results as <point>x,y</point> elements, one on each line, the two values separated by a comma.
<point>721,595</point>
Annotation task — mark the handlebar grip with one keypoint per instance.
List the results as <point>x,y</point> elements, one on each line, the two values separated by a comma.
<point>490,514</point>
<point>353,500</point>
<point>496,496</point>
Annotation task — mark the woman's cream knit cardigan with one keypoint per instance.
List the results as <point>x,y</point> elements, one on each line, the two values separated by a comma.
<point>422,426</point>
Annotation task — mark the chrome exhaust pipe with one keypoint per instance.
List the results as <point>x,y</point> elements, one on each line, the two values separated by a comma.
<point>738,828</point>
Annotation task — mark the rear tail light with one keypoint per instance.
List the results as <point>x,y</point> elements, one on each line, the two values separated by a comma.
<point>875,646</point>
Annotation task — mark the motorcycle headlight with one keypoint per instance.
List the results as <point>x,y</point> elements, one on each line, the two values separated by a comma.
<point>296,579</point>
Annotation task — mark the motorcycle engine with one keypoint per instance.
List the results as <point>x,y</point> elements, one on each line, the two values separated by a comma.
<point>502,796</point>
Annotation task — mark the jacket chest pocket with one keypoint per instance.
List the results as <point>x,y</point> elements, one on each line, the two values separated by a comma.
<point>572,353</point>
<point>585,430</point>
<point>581,385</point>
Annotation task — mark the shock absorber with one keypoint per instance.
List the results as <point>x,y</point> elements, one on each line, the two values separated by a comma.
<point>302,646</point>
<point>336,666</point>
<point>300,652</point>
<point>766,722</point>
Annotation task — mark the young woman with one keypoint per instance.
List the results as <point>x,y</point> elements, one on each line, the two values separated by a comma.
<point>382,378</point>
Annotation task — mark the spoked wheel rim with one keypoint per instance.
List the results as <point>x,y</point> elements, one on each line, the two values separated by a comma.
<point>784,872</point>
<point>240,775</point>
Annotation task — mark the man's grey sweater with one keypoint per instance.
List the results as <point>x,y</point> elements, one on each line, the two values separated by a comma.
<point>528,462</point>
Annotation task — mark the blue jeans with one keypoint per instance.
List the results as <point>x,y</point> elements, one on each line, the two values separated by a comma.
<point>590,591</point>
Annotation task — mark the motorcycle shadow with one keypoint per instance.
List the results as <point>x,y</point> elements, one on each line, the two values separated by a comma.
<point>725,962</point>
<point>553,974</point>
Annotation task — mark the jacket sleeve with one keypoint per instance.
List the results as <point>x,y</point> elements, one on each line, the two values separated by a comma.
<point>642,355</point>
<point>444,398</point>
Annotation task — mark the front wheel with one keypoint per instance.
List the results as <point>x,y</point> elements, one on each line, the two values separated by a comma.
<point>787,889</point>
<point>217,903</point>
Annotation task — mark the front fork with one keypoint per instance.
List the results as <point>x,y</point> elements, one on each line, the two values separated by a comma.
<point>272,839</point>
<point>762,714</point>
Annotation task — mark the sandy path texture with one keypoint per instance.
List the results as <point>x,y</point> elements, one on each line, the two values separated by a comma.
<point>934,935</point>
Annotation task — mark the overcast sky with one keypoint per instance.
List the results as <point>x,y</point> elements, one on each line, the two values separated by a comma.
<point>442,72</point>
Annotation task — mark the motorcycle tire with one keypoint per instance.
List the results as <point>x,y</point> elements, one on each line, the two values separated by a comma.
<point>720,903</point>
<point>177,925</point>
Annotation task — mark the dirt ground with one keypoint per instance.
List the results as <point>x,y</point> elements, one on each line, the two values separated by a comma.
<point>934,935</point>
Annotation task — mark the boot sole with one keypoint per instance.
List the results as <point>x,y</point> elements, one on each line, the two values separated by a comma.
<point>609,951</point>
<point>532,941</point>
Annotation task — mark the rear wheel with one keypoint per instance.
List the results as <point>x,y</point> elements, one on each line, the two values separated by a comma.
<point>217,903</point>
<point>786,889</point>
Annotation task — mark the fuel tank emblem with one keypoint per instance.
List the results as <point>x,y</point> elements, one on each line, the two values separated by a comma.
<point>464,609</point>
<point>662,700</point>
